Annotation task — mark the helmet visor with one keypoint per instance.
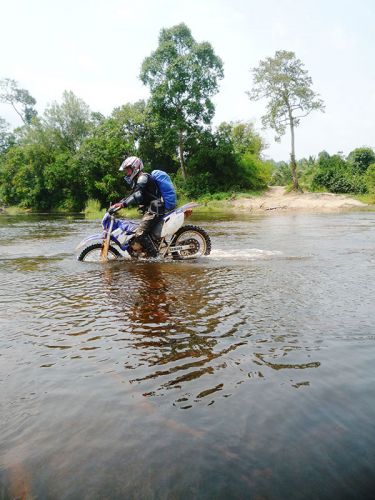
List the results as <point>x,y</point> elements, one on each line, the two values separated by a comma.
<point>128,171</point>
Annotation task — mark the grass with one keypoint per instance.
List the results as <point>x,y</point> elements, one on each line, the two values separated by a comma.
<point>15,210</point>
<point>218,202</point>
<point>94,211</point>
<point>368,198</point>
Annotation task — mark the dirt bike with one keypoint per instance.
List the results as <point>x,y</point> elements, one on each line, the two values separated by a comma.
<point>170,237</point>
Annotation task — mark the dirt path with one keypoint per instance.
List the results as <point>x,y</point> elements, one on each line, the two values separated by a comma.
<point>277,199</point>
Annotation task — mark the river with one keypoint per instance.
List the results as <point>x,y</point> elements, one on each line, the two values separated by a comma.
<point>247,374</point>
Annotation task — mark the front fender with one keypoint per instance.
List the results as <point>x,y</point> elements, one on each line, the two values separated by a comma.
<point>99,236</point>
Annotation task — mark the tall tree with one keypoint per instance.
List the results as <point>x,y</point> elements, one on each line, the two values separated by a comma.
<point>20,99</point>
<point>69,122</point>
<point>182,76</point>
<point>284,82</point>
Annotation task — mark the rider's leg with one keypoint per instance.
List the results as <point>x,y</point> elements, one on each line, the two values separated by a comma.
<point>142,234</point>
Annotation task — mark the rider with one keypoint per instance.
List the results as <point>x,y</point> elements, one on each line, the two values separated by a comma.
<point>146,194</point>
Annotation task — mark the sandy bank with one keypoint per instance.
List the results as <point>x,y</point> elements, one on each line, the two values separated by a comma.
<point>276,199</point>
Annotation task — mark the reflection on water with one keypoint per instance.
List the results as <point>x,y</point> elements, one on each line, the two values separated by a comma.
<point>249,372</point>
<point>172,325</point>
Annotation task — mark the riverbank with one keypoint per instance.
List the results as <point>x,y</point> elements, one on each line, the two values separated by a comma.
<point>276,198</point>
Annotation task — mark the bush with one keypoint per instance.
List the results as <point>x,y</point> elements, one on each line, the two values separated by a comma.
<point>281,174</point>
<point>92,207</point>
<point>337,176</point>
<point>361,158</point>
<point>195,185</point>
<point>370,179</point>
<point>256,174</point>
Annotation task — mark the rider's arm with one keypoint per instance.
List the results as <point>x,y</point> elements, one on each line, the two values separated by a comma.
<point>133,199</point>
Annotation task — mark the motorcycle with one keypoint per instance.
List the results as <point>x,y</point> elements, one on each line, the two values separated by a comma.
<point>172,239</point>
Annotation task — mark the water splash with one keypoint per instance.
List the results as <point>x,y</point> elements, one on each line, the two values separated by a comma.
<point>244,254</point>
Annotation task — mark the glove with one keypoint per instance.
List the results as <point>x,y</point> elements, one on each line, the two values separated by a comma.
<point>114,208</point>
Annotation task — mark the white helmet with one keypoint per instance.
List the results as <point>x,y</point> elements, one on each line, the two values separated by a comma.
<point>135,164</point>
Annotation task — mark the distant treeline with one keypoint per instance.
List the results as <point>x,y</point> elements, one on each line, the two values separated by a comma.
<point>70,155</point>
<point>336,173</point>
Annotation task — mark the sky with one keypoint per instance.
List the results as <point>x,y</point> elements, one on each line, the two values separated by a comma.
<point>95,48</point>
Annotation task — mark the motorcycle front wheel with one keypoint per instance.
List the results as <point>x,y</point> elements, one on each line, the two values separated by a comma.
<point>196,238</point>
<point>92,253</point>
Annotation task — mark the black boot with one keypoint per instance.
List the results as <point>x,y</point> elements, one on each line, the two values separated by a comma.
<point>148,245</point>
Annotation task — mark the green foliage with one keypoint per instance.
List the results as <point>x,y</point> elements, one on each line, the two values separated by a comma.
<point>182,76</point>
<point>214,166</point>
<point>281,174</point>
<point>370,178</point>
<point>68,158</point>
<point>6,138</point>
<point>68,123</point>
<point>243,137</point>
<point>361,158</point>
<point>99,158</point>
<point>256,173</point>
<point>22,177</point>
<point>306,168</point>
<point>141,128</point>
<point>336,175</point>
<point>93,208</point>
<point>39,171</point>
<point>285,84</point>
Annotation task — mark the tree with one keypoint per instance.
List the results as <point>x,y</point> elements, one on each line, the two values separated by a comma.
<point>6,137</point>
<point>22,176</point>
<point>361,159</point>
<point>182,76</point>
<point>281,174</point>
<point>140,128</point>
<point>20,99</point>
<point>40,169</point>
<point>284,82</point>
<point>243,137</point>
<point>69,123</point>
<point>99,158</point>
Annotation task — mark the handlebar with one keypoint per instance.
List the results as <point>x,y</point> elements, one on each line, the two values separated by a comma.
<point>112,211</point>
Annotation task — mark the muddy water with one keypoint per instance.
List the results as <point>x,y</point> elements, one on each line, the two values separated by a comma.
<point>246,374</point>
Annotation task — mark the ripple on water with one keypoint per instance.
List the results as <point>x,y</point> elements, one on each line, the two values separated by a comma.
<point>241,357</point>
<point>173,326</point>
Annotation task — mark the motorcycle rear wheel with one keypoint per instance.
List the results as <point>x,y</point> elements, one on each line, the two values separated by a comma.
<point>92,253</point>
<point>194,236</point>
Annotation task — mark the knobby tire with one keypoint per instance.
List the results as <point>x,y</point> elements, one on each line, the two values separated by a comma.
<point>190,228</point>
<point>97,246</point>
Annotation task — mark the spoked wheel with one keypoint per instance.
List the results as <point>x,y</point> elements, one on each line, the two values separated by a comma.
<point>92,253</point>
<point>196,241</point>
